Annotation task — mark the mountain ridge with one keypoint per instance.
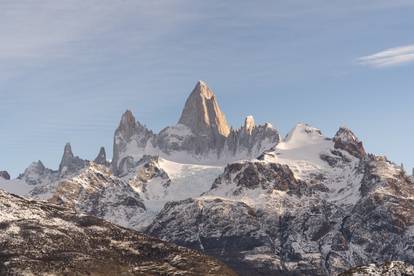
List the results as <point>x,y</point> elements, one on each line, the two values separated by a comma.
<point>201,136</point>
<point>305,204</point>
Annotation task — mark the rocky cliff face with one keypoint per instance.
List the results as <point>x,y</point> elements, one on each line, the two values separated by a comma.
<point>202,114</point>
<point>202,136</point>
<point>101,158</point>
<point>70,164</point>
<point>43,239</point>
<point>346,140</point>
<point>131,141</point>
<point>386,269</point>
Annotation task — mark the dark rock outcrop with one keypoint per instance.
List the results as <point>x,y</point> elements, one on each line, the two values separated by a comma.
<point>101,158</point>
<point>386,269</point>
<point>70,164</point>
<point>260,175</point>
<point>346,140</point>
<point>5,175</point>
<point>42,239</point>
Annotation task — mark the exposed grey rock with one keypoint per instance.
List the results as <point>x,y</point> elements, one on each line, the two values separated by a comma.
<point>70,164</point>
<point>220,228</point>
<point>150,169</point>
<point>5,175</point>
<point>43,239</point>
<point>250,140</point>
<point>37,173</point>
<point>201,136</point>
<point>304,233</point>
<point>95,191</point>
<point>129,132</point>
<point>346,140</point>
<point>260,175</point>
<point>386,269</point>
<point>101,158</point>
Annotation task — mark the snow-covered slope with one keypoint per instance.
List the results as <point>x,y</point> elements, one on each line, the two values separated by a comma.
<point>159,181</point>
<point>309,205</point>
<point>317,160</point>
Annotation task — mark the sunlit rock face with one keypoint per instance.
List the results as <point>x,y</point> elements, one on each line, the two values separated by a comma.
<point>201,136</point>
<point>202,114</point>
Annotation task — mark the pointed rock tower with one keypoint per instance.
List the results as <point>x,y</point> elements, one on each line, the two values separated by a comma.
<point>202,114</point>
<point>201,136</point>
<point>70,163</point>
<point>129,132</point>
<point>101,158</point>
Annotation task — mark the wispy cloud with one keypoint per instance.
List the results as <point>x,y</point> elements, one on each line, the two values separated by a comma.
<point>390,57</point>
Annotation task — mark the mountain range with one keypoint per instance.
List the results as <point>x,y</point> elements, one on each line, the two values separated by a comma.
<point>305,204</point>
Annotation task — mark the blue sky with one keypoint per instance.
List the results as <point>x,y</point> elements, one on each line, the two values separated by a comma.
<point>69,69</point>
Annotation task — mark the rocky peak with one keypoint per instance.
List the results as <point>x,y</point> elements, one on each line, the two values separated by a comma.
<point>202,113</point>
<point>4,175</point>
<point>36,167</point>
<point>346,140</point>
<point>128,131</point>
<point>70,163</point>
<point>128,124</point>
<point>67,152</point>
<point>36,173</point>
<point>249,124</point>
<point>101,158</point>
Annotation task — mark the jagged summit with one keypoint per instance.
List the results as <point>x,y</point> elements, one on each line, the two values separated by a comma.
<point>101,158</point>
<point>70,163</point>
<point>202,136</point>
<point>67,156</point>
<point>129,131</point>
<point>202,114</point>
<point>346,140</point>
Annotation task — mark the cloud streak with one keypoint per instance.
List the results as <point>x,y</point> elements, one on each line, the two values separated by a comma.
<point>390,57</point>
